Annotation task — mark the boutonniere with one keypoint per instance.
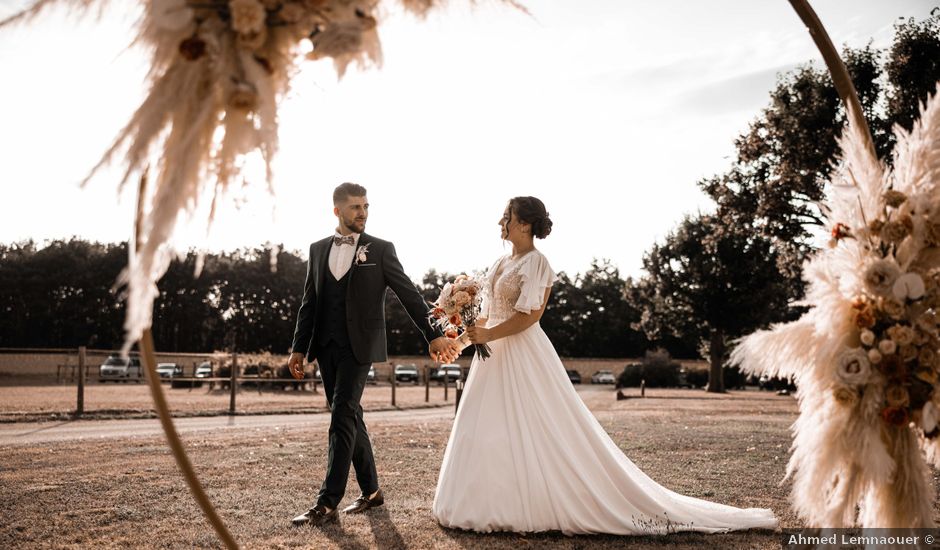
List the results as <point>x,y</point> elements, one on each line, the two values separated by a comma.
<point>362,253</point>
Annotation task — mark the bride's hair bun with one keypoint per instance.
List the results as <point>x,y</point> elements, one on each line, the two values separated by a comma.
<point>532,211</point>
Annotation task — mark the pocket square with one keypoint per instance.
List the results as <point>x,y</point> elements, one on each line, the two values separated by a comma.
<point>365,265</point>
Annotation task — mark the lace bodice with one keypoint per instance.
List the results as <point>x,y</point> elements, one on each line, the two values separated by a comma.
<point>519,285</point>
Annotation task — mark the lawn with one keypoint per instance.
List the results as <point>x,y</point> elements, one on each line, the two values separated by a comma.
<point>128,493</point>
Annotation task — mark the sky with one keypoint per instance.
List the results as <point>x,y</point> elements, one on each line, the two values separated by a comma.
<point>609,111</point>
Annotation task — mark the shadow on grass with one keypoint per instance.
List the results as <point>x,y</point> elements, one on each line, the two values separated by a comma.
<point>705,397</point>
<point>551,539</point>
<point>339,536</point>
<point>44,428</point>
<point>384,530</point>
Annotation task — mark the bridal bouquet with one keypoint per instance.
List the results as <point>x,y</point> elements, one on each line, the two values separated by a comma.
<point>458,307</point>
<point>865,356</point>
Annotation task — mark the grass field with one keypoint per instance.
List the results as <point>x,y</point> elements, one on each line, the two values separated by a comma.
<point>127,492</point>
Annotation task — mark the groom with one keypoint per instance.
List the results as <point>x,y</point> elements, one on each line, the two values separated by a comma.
<point>341,323</point>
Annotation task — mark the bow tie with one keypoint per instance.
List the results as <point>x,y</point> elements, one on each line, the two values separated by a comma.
<point>348,239</point>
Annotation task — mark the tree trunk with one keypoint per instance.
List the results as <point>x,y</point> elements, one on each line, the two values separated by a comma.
<point>716,352</point>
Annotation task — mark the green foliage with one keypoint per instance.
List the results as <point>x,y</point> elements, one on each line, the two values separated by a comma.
<point>723,275</point>
<point>913,67</point>
<point>63,295</point>
<point>657,369</point>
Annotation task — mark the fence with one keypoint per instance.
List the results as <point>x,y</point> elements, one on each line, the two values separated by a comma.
<point>233,373</point>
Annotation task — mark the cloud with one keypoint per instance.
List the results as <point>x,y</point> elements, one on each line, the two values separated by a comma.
<point>743,92</point>
<point>655,79</point>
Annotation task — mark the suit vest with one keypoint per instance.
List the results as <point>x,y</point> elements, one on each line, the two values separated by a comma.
<point>331,322</point>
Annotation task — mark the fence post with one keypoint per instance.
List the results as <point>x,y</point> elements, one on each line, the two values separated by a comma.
<point>80,406</point>
<point>394,383</point>
<point>232,379</point>
<point>446,384</point>
<point>427,384</point>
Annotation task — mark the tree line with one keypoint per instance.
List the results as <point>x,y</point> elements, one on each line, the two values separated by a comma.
<point>64,295</point>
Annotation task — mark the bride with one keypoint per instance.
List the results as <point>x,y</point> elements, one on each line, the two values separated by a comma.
<point>525,453</point>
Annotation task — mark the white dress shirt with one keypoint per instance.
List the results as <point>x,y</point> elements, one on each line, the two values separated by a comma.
<point>341,256</point>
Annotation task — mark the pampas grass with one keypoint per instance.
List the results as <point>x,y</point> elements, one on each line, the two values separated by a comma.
<point>850,465</point>
<point>213,100</point>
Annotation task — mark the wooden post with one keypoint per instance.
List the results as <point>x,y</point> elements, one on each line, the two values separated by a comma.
<point>232,380</point>
<point>446,384</point>
<point>427,384</point>
<point>394,383</point>
<point>80,406</point>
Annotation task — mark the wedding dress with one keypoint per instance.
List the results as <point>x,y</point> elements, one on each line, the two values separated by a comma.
<point>525,454</point>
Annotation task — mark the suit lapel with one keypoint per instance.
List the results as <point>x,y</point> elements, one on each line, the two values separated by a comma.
<point>324,259</point>
<point>364,240</point>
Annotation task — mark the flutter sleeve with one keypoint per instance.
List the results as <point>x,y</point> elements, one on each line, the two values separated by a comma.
<point>537,275</point>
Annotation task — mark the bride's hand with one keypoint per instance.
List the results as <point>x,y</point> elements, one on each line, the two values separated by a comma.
<point>479,335</point>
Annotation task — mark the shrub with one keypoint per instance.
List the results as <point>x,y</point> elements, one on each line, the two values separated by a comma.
<point>657,368</point>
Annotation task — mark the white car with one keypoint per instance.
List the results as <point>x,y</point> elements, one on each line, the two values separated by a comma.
<point>204,370</point>
<point>169,370</point>
<point>118,369</point>
<point>452,371</point>
<point>603,377</point>
<point>406,373</point>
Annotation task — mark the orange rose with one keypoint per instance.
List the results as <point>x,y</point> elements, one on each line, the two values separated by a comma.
<point>455,320</point>
<point>438,312</point>
<point>452,334</point>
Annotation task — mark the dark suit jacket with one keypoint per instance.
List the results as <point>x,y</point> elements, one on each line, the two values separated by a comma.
<point>365,299</point>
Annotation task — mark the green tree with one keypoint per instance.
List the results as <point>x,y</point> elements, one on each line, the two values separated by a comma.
<point>913,67</point>
<point>714,281</point>
<point>61,295</point>
<point>606,318</point>
<point>786,156</point>
<point>562,320</point>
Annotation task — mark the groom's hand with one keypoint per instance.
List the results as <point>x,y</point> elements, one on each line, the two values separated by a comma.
<point>444,350</point>
<point>296,365</point>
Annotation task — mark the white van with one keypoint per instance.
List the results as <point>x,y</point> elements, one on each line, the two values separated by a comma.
<point>118,369</point>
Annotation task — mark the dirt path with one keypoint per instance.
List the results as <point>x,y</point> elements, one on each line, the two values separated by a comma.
<point>45,432</point>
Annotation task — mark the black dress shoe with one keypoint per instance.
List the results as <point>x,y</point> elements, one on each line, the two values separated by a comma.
<point>316,516</point>
<point>363,503</point>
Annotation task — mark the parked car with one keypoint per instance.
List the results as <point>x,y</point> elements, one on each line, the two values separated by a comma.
<point>370,379</point>
<point>776,384</point>
<point>407,373</point>
<point>574,376</point>
<point>204,370</point>
<point>118,369</point>
<point>603,377</point>
<point>169,370</point>
<point>452,371</point>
